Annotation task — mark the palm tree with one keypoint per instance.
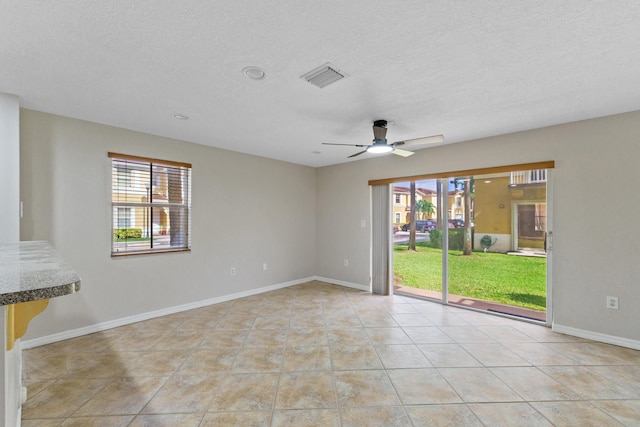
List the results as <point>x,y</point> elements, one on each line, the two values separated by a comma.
<point>441,208</point>
<point>426,208</point>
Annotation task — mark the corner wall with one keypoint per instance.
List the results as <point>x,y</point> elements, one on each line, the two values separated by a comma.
<point>596,235</point>
<point>11,360</point>
<point>9,168</point>
<point>246,211</point>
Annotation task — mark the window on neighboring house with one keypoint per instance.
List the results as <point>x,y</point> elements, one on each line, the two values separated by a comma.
<point>123,177</point>
<point>397,198</point>
<point>151,205</point>
<point>398,217</point>
<point>122,218</point>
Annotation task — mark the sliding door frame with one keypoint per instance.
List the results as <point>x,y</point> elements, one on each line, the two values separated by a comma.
<point>549,248</point>
<point>441,178</point>
<point>444,209</point>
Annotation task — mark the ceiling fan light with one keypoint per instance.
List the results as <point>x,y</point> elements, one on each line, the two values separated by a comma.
<point>379,148</point>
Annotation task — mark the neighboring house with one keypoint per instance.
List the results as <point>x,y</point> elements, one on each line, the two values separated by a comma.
<point>456,204</point>
<point>512,210</point>
<point>402,205</point>
<point>402,202</point>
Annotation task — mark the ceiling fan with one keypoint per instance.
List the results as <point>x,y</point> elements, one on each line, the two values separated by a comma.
<point>380,144</point>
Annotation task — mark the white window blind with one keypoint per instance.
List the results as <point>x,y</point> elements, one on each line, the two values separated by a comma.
<point>151,205</point>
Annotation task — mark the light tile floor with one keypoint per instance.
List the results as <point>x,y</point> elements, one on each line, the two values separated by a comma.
<point>324,355</point>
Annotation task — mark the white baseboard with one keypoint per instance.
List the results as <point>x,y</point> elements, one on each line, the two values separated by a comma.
<point>596,336</point>
<point>342,283</point>
<point>73,333</point>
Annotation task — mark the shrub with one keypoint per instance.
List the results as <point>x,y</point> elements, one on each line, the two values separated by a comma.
<point>435,237</point>
<point>134,233</point>
<point>456,239</point>
<point>127,233</point>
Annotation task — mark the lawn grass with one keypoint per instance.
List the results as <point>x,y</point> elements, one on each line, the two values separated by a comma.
<point>513,280</point>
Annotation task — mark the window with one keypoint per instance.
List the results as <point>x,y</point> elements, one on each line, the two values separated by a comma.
<point>397,198</point>
<point>151,205</point>
<point>398,218</point>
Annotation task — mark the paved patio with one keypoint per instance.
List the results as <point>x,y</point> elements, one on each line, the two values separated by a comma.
<point>473,303</point>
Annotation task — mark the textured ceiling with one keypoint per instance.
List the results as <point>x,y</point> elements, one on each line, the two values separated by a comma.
<point>463,69</point>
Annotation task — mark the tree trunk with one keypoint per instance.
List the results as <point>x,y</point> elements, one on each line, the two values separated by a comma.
<point>440,210</point>
<point>467,218</point>
<point>412,216</point>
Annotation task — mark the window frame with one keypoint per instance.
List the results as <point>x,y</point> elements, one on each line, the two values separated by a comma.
<point>148,204</point>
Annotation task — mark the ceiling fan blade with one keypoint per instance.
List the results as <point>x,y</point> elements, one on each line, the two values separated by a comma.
<point>434,139</point>
<point>348,145</point>
<point>403,153</point>
<point>357,154</point>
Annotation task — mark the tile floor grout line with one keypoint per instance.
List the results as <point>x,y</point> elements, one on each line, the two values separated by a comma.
<point>384,329</point>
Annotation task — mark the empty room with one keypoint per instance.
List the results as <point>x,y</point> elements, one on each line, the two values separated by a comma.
<point>288,213</point>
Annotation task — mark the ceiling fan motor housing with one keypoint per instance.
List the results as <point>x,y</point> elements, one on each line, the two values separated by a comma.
<point>380,131</point>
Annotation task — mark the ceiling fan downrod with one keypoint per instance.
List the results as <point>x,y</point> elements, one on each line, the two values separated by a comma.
<point>380,132</point>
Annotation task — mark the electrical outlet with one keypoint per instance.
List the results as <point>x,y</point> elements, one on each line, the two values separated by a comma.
<point>612,303</point>
<point>264,266</point>
<point>233,271</point>
<point>346,262</point>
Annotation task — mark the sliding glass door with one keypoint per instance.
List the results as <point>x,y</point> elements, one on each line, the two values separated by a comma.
<point>479,240</point>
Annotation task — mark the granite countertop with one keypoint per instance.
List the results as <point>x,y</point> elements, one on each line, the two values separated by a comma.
<point>32,271</point>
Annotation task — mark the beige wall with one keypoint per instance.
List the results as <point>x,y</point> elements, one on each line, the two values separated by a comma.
<point>65,177</point>
<point>595,251</point>
<point>488,216</point>
<point>238,218</point>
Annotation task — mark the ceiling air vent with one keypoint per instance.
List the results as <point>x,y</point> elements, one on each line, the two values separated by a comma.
<point>323,75</point>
